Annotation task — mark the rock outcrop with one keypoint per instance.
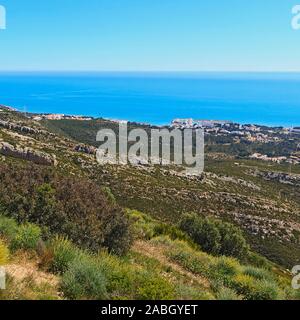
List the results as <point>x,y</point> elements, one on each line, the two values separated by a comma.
<point>28,154</point>
<point>23,129</point>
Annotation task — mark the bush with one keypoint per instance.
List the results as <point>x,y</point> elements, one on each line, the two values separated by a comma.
<point>258,273</point>
<point>143,225</point>
<point>224,268</point>
<point>203,231</point>
<point>163,229</point>
<point>63,252</point>
<point>120,277</point>
<point>27,237</point>
<point>253,289</point>
<point>84,279</point>
<point>214,236</point>
<point>227,294</point>
<point>233,242</point>
<point>151,286</point>
<point>243,284</point>
<point>4,254</point>
<point>109,195</point>
<point>76,208</point>
<point>8,228</point>
<point>265,290</point>
<point>189,292</point>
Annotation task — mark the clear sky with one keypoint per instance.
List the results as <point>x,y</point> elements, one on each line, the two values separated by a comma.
<point>155,35</point>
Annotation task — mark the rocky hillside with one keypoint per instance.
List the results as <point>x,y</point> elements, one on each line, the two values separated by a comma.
<point>261,198</point>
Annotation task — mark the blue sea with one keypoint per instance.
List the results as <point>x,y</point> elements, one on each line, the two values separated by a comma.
<point>157,98</point>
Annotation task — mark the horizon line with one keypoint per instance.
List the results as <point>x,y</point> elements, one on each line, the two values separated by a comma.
<point>149,71</point>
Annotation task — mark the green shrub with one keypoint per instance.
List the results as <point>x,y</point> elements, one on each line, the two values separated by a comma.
<point>76,208</point>
<point>190,292</point>
<point>84,279</point>
<point>109,195</point>
<point>27,237</point>
<point>63,253</point>
<point>215,236</point>
<point>227,294</point>
<point>233,242</point>
<point>258,273</point>
<point>224,268</point>
<point>120,277</point>
<point>266,290</point>
<point>203,231</point>
<point>152,286</point>
<point>4,254</point>
<point>8,228</point>
<point>243,285</point>
<point>258,261</point>
<point>253,289</point>
<point>143,225</point>
<point>163,229</point>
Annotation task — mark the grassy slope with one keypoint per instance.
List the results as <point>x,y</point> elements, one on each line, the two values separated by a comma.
<point>157,268</point>
<point>166,196</point>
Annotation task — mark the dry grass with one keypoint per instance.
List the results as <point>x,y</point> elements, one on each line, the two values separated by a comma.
<point>151,251</point>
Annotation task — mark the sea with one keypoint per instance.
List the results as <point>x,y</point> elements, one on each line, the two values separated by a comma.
<point>157,98</point>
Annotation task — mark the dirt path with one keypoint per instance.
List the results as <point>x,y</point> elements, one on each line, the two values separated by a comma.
<point>145,248</point>
<point>23,267</point>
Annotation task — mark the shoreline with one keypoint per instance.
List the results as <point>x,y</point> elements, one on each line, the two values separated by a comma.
<point>82,117</point>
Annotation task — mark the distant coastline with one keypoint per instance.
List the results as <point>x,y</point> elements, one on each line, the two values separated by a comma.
<point>175,123</point>
<point>271,99</point>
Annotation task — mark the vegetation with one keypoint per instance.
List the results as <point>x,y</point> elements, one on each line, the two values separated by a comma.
<point>76,208</point>
<point>214,236</point>
<point>86,275</point>
<point>68,235</point>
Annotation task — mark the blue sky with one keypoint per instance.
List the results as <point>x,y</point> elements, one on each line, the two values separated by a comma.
<point>154,35</point>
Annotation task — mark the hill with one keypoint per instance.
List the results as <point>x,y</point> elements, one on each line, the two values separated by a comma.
<point>126,219</point>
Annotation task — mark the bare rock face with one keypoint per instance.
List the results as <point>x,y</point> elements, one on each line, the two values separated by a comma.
<point>28,154</point>
<point>23,129</point>
<point>281,177</point>
<point>85,149</point>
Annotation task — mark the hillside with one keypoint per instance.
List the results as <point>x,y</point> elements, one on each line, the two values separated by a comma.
<point>261,197</point>
<point>125,219</point>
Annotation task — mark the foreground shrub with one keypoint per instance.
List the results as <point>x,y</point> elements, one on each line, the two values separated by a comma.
<point>28,237</point>
<point>215,236</point>
<point>151,286</point>
<point>227,294</point>
<point>8,228</point>
<point>84,279</point>
<point>253,289</point>
<point>203,231</point>
<point>76,208</point>
<point>143,225</point>
<point>258,273</point>
<point>4,254</point>
<point>233,242</point>
<point>120,276</point>
<point>63,252</point>
<point>224,268</point>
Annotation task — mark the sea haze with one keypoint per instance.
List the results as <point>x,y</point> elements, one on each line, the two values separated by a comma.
<point>157,98</point>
